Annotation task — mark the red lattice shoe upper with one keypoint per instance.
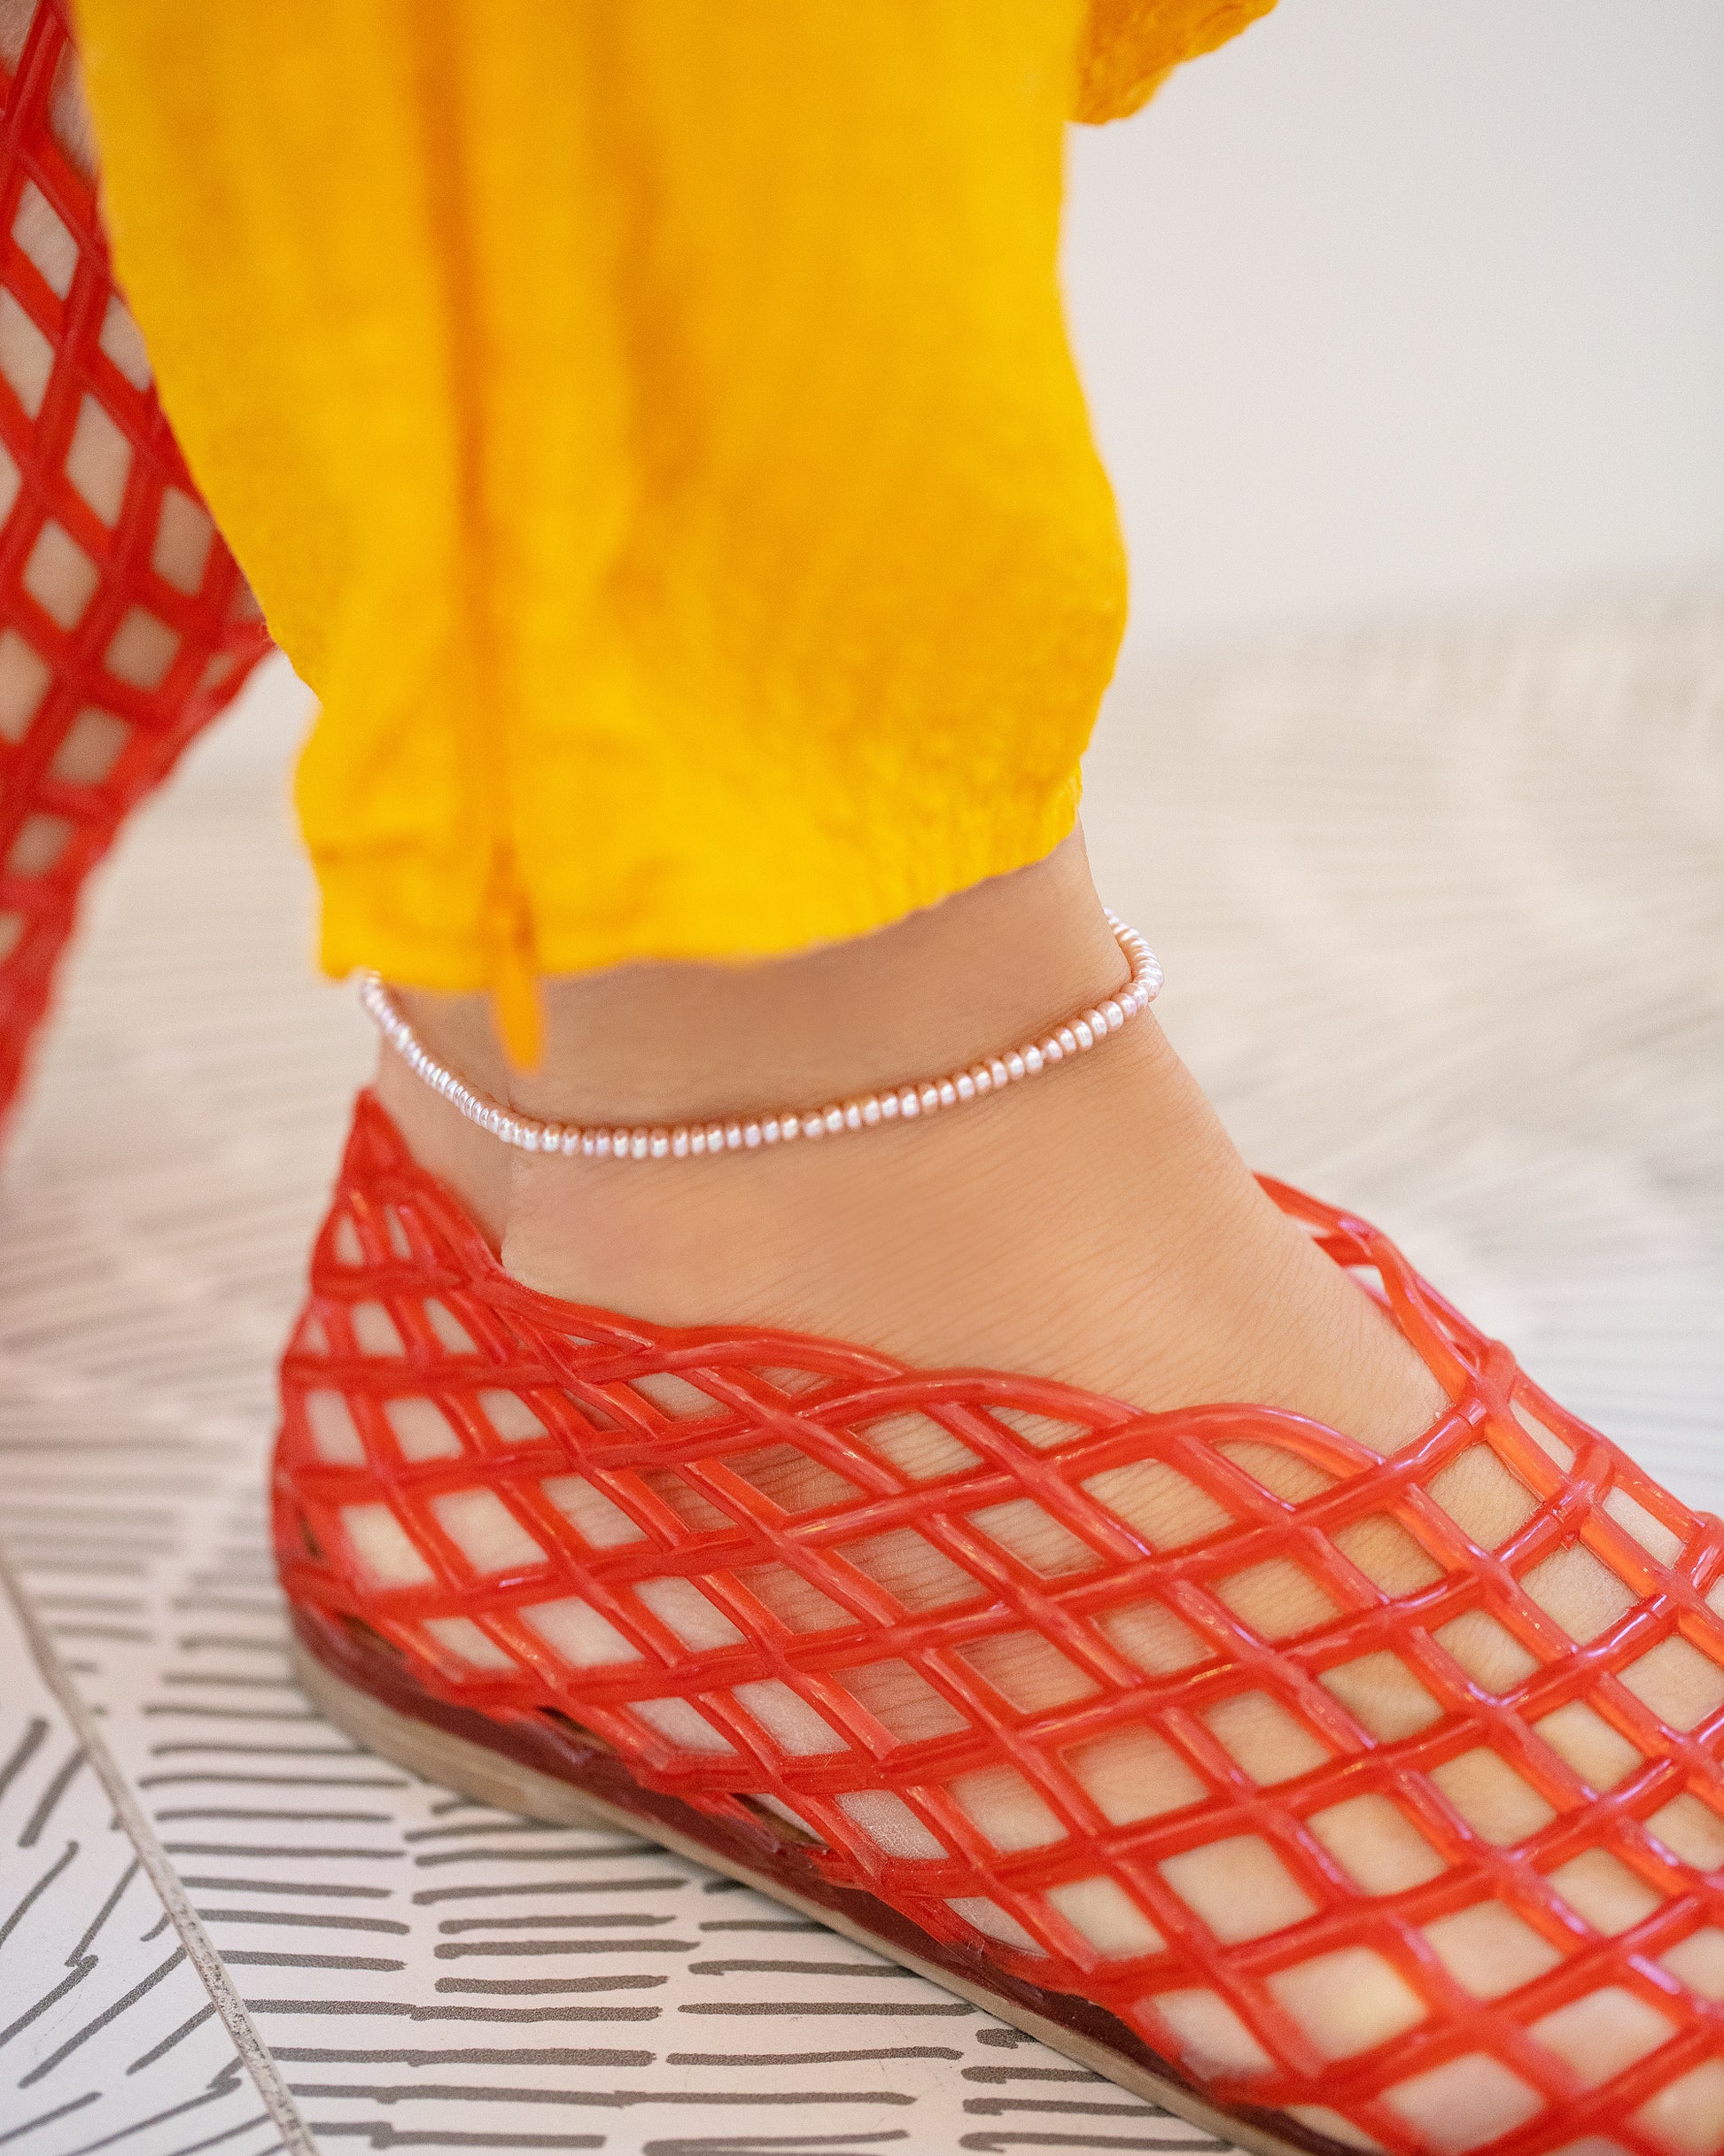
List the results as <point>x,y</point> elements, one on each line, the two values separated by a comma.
<point>1215,1717</point>
<point>125,626</point>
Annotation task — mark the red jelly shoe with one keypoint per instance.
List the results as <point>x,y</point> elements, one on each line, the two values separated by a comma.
<point>125,626</point>
<point>1210,1746</point>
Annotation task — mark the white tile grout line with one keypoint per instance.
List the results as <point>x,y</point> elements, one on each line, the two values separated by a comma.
<point>200,1949</point>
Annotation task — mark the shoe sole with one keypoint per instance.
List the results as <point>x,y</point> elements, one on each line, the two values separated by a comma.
<point>490,1777</point>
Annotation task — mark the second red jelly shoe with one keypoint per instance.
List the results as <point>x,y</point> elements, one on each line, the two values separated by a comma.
<point>1277,1780</point>
<point>125,626</point>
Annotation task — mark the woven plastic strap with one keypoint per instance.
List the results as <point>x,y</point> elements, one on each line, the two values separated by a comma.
<point>1206,1672</point>
<point>125,626</point>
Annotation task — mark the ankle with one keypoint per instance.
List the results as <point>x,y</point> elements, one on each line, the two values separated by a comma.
<point>646,1044</point>
<point>658,1044</point>
<point>1096,1228</point>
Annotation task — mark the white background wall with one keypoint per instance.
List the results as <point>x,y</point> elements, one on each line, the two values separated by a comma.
<point>1397,305</point>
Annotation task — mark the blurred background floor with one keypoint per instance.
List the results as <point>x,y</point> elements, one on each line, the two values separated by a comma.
<point>1441,910</point>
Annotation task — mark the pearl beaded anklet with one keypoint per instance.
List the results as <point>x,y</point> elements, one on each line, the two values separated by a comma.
<point>684,1141</point>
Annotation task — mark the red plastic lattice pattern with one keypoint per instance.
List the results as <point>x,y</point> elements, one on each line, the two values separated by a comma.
<point>582,1512</point>
<point>125,626</point>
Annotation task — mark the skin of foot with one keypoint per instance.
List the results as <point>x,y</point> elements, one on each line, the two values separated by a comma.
<point>1096,1226</point>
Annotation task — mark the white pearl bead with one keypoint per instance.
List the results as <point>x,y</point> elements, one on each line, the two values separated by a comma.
<point>789,1126</point>
<point>929,1097</point>
<point>733,1137</point>
<point>834,1119</point>
<point>1068,1040</point>
<point>965,1087</point>
<point>888,1107</point>
<point>1084,1034</point>
<point>589,1145</point>
<point>680,1142</point>
<point>697,1142</point>
<point>813,1126</point>
<point>997,1071</point>
<point>640,1145</point>
<point>715,1136</point>
<point>1017,1065</point>
<point>1112,1012</point>
<point>750,1135</point>
<point>870,1111</point>
<point>1033,1060</point>
<point>909,1105</point>
<point>601,1144</point>
<point>948,1092</point>
<point>659,1145</point>
<point>769,1131</point>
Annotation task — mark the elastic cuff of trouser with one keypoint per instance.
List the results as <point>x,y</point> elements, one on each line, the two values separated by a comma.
<point>701,922</point>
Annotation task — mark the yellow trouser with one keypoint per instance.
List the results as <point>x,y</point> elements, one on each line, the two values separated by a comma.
<point>649,427</point>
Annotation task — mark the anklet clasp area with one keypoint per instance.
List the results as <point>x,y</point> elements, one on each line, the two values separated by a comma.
<point>867,1111</point>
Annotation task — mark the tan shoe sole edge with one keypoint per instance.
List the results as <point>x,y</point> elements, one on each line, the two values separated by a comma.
<point>491,1777</point>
